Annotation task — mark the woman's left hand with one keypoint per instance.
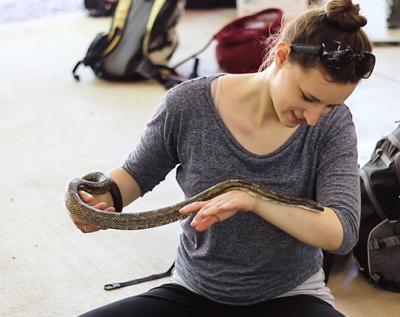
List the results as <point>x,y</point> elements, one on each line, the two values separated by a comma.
<point>219,208</point>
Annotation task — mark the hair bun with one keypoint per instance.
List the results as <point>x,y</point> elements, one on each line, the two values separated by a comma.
<point>345,15</point>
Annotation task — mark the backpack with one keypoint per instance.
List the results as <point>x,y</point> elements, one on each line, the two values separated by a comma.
<point>377,252</point>
<point>100,8</point>
<point>393,16</point>
<point>205,4</point>
<point>139,44</point>
<point>142,40</point>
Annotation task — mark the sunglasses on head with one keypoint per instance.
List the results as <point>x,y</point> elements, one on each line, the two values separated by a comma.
<point>335,55</point>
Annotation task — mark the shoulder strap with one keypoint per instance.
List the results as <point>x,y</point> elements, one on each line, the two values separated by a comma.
<point>155,9</point>
<point>395,141</point>
<point>371,194</point>
<point>118,24</point>
<point>112,286</point>
<point>396,161</point>
<point>165,75</point>
<point>195,54</point>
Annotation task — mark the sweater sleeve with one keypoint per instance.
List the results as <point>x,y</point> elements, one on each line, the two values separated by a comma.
<point>155,155</point>
<point>337,183</point>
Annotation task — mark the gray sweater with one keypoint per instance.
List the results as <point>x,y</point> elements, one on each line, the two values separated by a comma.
<point>245,259</point>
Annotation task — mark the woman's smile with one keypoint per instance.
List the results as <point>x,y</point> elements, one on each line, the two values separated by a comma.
<point>295,119</point>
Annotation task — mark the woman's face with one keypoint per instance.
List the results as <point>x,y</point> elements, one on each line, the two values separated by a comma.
<point>303,96</point>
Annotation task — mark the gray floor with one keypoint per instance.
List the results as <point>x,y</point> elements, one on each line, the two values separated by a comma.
<point>53,129</point>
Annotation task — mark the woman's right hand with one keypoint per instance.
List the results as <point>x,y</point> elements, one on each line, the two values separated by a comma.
<point>89,199</point>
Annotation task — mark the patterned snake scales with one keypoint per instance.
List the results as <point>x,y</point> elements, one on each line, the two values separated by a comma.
<point>98,183</point>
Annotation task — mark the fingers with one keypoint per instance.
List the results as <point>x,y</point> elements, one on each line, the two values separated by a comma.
<point>88,198</point>
<point>104,206</point>
<point>218,209</point>
<point>83,227</point>
<point>206,208</point>
<point>204,223</point>
<point>193,207</point>
<point>207,213</point>
<point>207,216</point>
<point>87,228</point>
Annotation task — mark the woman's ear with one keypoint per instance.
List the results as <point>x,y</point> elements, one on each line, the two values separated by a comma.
<point>282,52</point>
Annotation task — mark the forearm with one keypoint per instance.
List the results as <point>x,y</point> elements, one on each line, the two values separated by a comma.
<point>319,229</point>
<point>128,187</point>
<point>322,230</point>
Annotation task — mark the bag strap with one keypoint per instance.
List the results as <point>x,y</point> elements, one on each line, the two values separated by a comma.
<point>168,77</point>
<point>371,194</point>
<point>112,286</point>
<point>273,27</point>
<point>195,54</point>
<point>118,23</point>
<point>165,75</point>
<point>396,162</point>
<point>395,141</point>
<point>388,242</point>
<point>155,9</point>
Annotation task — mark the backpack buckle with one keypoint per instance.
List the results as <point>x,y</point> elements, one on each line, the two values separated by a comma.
<point>375,244</point>
<point>376,155</point>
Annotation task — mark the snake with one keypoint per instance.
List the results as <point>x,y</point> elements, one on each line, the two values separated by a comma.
<point>98,183</point>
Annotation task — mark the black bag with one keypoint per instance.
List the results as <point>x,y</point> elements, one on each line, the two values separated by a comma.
<point>377,252</point>
<point>205,4</point>
<point>393,14</point>
<point>139,44</point>
<point>100,8</point>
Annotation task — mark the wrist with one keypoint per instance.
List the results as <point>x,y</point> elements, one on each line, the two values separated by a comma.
<point>261,206</point>
<point>256,204</point>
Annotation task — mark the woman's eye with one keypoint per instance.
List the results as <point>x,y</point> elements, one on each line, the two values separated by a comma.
<point>307,99</point>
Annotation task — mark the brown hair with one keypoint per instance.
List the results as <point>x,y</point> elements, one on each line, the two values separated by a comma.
<point>338,20</point>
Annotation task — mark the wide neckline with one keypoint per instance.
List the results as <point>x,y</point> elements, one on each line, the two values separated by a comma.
<point>229,135</point>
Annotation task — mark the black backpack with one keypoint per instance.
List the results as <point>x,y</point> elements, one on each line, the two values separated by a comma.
<point>377,252</point>
<point>100,8</point>
<point>393,17</point>
<point>139,44</point>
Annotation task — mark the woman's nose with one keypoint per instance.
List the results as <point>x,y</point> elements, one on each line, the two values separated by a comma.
<point>312,115</point>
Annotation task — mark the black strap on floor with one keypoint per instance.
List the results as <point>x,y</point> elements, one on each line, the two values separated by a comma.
<point>112,286</point>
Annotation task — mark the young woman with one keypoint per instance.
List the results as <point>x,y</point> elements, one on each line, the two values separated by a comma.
<point>285,127</point>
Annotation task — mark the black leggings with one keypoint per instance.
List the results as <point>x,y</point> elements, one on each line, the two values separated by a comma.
<point>175,300</point>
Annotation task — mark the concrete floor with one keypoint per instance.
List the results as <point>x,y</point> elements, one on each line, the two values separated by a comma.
<point>53,129</point>
<point>22,10</point>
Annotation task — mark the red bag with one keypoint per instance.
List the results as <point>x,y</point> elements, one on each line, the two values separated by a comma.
<point>240,48</point>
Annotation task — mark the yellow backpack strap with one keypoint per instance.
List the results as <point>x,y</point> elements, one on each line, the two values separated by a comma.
<point>118,24</point>
<point>158,4</point>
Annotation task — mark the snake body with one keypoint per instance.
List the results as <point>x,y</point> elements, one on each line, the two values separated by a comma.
<point>98,183</point>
